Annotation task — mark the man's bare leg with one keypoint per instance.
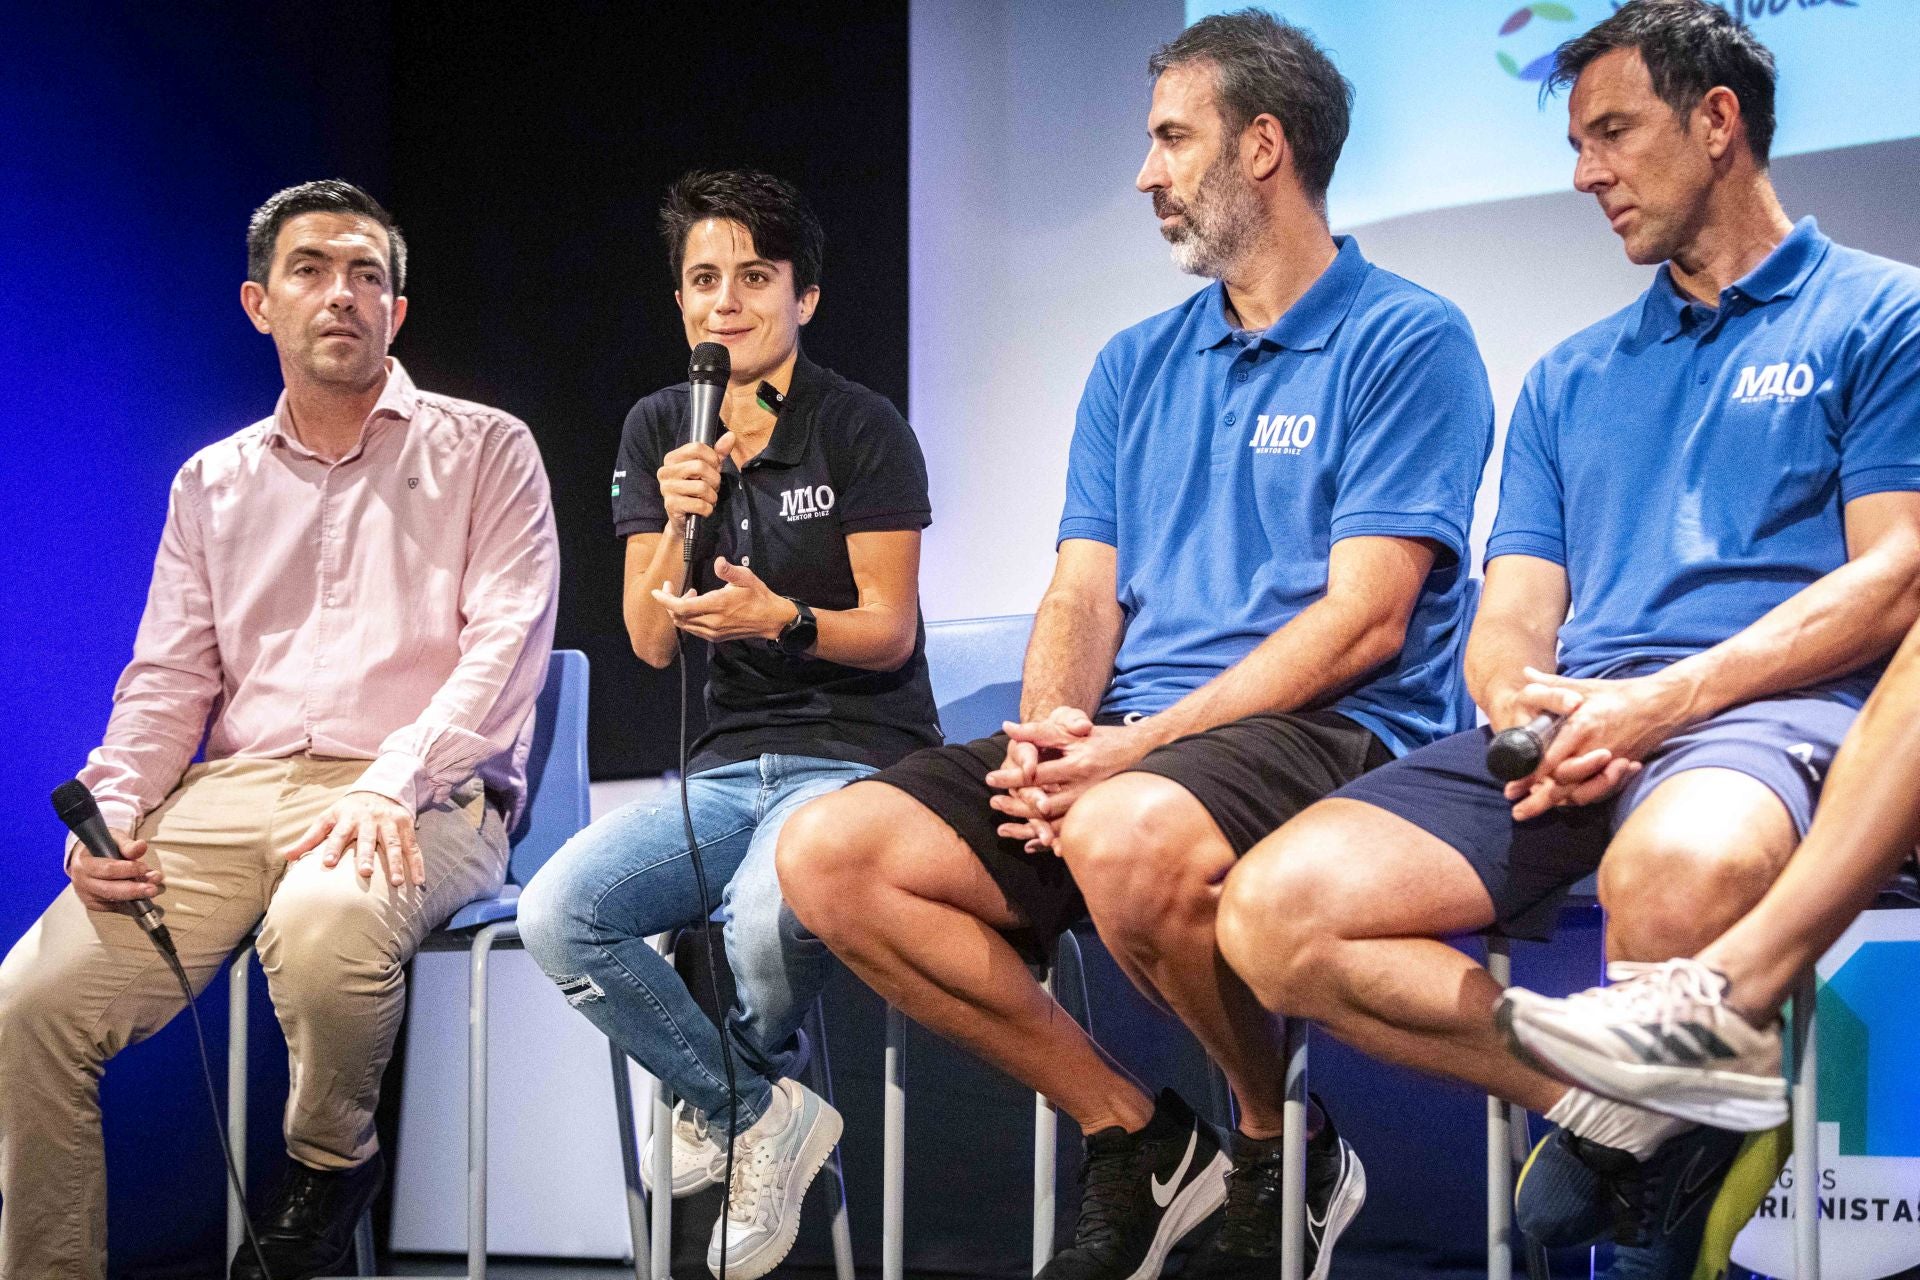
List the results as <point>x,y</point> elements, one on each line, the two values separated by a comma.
<point>911,910</point>
<point>1866,826</point>
<point>1150,862</point>
<point>1334,918</point>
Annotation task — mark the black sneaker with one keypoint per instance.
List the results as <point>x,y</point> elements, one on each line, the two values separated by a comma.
<point>1141,1193</point>
<point>1247,1242</point>
<point>309,1229</point>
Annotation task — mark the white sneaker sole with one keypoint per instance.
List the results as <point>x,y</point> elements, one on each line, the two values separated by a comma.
<point>815,1147</point>
<point>1719,1099</point>
<point>1195,1203</point>
<point>1340,1214</point>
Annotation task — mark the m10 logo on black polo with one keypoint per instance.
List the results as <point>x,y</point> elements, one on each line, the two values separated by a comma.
<point>806,502</point>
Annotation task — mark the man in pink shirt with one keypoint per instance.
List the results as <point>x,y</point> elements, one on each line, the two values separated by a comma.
<point>353,603</point>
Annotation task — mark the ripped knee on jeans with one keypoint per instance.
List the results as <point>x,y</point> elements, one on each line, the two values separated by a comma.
<point>580,990</point>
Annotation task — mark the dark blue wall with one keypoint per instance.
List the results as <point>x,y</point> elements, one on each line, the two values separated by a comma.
<point>137,140</point>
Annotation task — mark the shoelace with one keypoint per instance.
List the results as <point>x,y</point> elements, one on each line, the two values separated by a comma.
<point>693,1125</point>
<point>752,1167</point>
<point>1251,1224</point>
<point>1665,992</point>
<point>300,1190</point>
<point>1106,1180</point>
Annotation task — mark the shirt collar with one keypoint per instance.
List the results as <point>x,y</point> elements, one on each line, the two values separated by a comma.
<point>398,399</point>
<point>1779,275</point>
<point>1310,321</point>
<point>793,428</point>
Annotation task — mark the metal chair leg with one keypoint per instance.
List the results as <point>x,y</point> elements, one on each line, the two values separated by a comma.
<point>1293,1146</point>
<point>893,1174</point>
<point>1499,1147</point>
<point>237,1092</point>
<point>1805,1095</point>
<point>630,1166</point>
<point>661,1156</point>
<point>820,1080</point>
<point>477,1094</point>
<point>1046,1139</point>
<point>363,1244</point>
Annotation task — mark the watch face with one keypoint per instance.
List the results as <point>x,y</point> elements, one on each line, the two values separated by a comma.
<point>800,633</point>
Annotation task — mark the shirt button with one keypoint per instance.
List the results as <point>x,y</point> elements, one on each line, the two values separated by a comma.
<point>1240,376</point>
<point>1703,379</point>
<point>745,561</point>
<point>743,524</point>
<point>1231,419</point>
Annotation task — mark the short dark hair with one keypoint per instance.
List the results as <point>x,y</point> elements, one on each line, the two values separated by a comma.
<point>772,210</point>
<point>1264,66</point>
<point>328,195</point>
<point>1689,46</point>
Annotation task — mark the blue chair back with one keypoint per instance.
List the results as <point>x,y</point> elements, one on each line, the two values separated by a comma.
<point>974,665</point>
<point>557,782</point>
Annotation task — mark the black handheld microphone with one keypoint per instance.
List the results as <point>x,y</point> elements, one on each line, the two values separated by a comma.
<point>708,371</point>
<point>76,807</point>
<point>1515,753</point>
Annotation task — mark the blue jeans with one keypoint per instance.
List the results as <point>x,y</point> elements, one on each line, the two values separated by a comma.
<point>588,914</point>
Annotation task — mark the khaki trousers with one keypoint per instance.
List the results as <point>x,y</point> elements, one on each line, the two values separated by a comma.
<point>82,985</point>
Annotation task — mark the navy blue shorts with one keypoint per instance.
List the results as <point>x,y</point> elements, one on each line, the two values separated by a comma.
<point>1785,743</point>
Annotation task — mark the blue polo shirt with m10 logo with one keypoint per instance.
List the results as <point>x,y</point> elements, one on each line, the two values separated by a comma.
<point>1222,467</point>
<point>1689,465</point>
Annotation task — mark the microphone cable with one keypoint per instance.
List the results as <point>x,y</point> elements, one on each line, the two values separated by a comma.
<point>706,933</point>
<point>167,953</point>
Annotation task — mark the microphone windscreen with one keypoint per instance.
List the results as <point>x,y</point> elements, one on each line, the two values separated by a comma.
<point>712,363</point>
<point>73,802</point>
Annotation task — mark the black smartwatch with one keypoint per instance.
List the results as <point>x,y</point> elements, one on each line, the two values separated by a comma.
<point>798,635</point>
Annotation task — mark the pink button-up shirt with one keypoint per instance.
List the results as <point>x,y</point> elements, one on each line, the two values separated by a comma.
<point>395,606</point>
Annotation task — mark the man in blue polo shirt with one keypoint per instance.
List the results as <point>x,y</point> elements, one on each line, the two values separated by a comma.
<point>1260,593</point>
<point>1720,481</point>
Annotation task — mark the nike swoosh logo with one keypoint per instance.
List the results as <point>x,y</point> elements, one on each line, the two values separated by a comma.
<point>1163,1191</point>
<point>1695,1184</point>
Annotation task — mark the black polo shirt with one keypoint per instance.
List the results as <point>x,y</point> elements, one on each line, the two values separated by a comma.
<point>841,460</point>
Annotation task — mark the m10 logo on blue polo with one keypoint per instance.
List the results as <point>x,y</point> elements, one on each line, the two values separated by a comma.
<point>1784,382</point>
<point>1284,432</point>
<point>1868,1044</point>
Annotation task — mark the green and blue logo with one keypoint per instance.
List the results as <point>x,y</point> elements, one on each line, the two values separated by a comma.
<point>1523,19</point>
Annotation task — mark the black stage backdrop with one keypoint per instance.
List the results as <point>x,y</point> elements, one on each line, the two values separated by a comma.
<point>530,152</point>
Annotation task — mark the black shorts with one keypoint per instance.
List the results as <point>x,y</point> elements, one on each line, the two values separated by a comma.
<point>1250,776</point>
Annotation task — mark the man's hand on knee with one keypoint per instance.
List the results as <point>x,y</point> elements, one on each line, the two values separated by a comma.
<point>368,823</point>
<point>102,884</point>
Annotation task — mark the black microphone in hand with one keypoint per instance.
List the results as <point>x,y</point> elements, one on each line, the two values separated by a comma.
<point>1515,753</point>
<point>708,372</point>
<point>76,807</point>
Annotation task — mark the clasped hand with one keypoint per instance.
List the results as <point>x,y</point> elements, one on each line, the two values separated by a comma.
<point>1051,762</point>
<point>1608,729</point>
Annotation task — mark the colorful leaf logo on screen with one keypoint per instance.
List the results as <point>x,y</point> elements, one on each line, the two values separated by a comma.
<point>1521,19</point>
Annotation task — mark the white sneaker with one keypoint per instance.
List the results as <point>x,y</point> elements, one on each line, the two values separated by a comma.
<point>699,1156</point>
<point>773,1163</point>
<point>1661,1038</point>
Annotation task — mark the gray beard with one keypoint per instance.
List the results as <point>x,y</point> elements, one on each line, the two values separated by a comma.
<point>1221,223</point>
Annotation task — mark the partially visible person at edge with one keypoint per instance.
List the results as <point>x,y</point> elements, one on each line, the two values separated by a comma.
<point>1723,481</point>
<point>353,604</point>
